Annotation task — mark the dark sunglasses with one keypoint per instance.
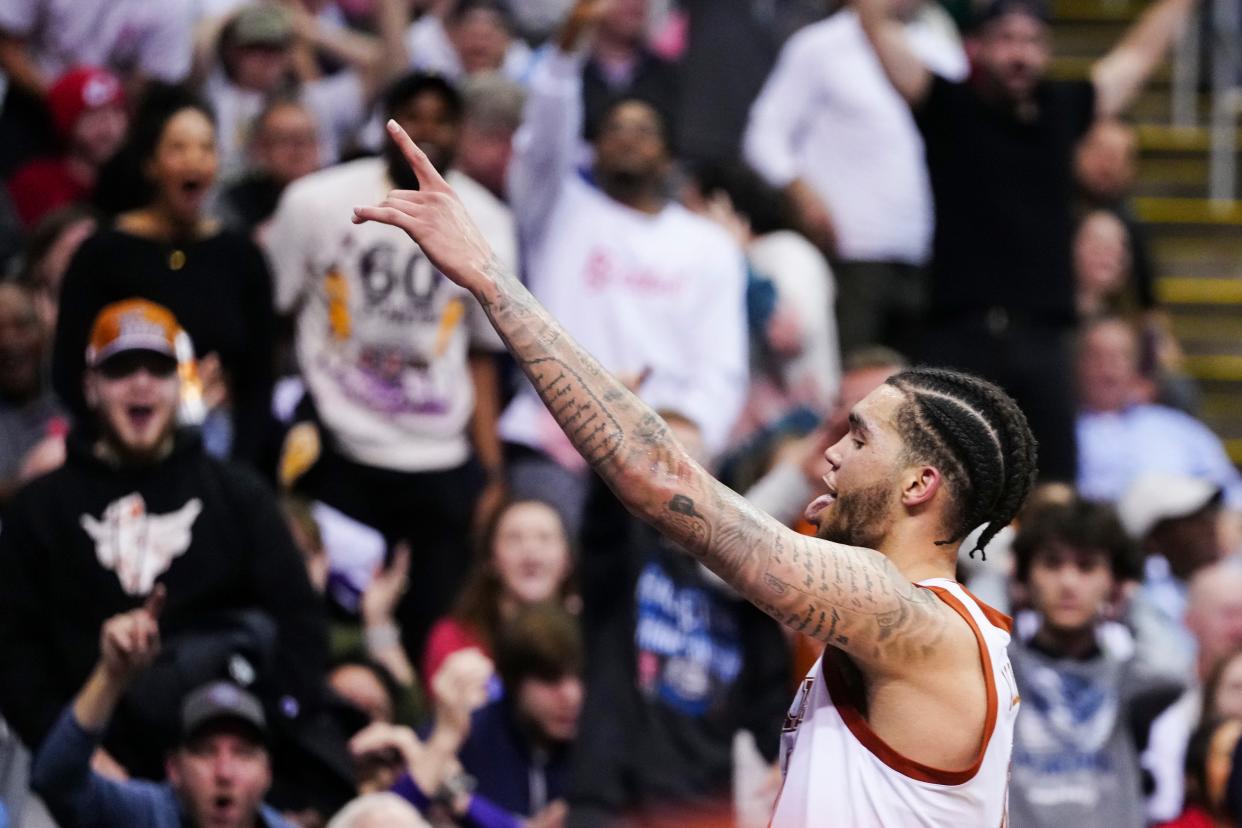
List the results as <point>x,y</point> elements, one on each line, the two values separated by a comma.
<point>128,363</point>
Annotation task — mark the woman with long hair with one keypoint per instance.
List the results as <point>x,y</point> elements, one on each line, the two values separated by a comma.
<point>524,559</point>
<point>163,244</point>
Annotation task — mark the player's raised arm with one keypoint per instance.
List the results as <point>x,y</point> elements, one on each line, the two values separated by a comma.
<point>849,596</point>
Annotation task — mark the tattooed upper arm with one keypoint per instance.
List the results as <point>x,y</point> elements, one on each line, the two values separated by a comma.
<point>852,598</point>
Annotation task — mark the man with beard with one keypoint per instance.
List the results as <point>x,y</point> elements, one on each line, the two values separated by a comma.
<point>398,361</point>
<point>138,504</point>
<point>653,290</point>
<point>908,717</point>
<point>1000,149</point>
<point>218,773</point>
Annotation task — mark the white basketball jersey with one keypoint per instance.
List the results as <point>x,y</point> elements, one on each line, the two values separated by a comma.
<point>839,774</point>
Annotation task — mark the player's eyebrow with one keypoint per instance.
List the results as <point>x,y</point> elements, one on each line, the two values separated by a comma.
<point>858,424</point>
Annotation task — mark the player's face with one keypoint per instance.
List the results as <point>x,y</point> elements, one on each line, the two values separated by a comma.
<point>530,552</point>
<point>631,143</point>
<point>862,479</point>
<point>184,164</point>
<point>1229,690</point>
<point>1069,586</point>
<point>135,395</point>
<point>1013,53</point>
<point>221,778</point>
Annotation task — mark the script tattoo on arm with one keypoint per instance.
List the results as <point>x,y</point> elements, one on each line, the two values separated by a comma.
<point>852,598</point>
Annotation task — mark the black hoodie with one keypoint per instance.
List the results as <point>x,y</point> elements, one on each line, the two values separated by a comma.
<point>87,541</point>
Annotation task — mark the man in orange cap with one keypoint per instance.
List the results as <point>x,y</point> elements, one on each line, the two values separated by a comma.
<point>139,504</point>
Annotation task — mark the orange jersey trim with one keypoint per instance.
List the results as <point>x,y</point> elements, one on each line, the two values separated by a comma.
<point>848,708</point>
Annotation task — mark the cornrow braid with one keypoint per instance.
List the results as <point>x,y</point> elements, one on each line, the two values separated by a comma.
<point>978,438</point>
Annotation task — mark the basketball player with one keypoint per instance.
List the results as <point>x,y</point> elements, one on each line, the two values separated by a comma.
<point>908,718</point>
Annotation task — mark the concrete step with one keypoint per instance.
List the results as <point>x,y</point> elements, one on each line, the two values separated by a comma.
<point>1202,212</point>
<point>1193,290</point>
<point>1096,10</point>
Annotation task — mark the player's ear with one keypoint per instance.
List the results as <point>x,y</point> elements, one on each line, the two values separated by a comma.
<point>920,484</point>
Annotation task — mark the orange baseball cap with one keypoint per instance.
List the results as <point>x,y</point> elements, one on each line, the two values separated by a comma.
<point>134,325</point>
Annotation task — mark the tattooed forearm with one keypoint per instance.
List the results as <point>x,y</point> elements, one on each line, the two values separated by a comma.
<point>848,597</point>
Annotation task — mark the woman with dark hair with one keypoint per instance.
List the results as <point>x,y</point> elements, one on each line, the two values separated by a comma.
<point>162,245</point>
<point>523,559</point>
<point>1211,783</point>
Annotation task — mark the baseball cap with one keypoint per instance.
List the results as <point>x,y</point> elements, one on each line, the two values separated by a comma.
<point>1157,496</point>
<point>80,90</point>
<point>221,701</point>
<point>134,325</point>
<point>261,25</point>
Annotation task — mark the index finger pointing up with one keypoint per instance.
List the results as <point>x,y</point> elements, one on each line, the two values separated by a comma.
<point>428,177</point>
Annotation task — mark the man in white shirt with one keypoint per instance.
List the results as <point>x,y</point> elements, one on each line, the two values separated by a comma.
<point>654,291</point>
<point>397,360</point>
<point>830,129</point>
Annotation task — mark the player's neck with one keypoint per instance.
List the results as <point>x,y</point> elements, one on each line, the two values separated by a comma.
<point>913,550</point>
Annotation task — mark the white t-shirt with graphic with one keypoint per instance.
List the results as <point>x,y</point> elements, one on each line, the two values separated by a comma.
<point>382,336</point>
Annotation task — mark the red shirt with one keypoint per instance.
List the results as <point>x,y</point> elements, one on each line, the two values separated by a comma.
<point>43,185</point>
<point>1192,817</point>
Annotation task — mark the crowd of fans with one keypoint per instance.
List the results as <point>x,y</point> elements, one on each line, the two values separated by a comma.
<point>286,541</point>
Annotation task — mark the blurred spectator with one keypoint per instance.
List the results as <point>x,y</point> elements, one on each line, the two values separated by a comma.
<point>42,39</point>
<point>284,146</point>
<point>1105,165</point>
<point>524,559</point>
<point>218,772</point>
<point>678,665</point>
<point>1212,780</point>
<point>1075,758</point>
<point>493,114</point>
<point>536,20</point>
<point>398,361</point>
<point>830,129</point>
<point>378,810</point>
<point>474,37</point>
<point>514,749</point>
<point>730,47</point>
<point>653,291</point>
<point>252,58</point>
<point>137,501</point>
<point>1000,158</point>
<point>1113,421</point>
<point>1105,284</point>
<point>1177,522</point>
<point>88,110</point>
<point>794,358</point>
<point>518,747</point>
<point>1214,617</point>
<point>619,65</point>
<point>29,412</point>
<point>49,249</point>
<point>1102,265</point>
<point>168,250</point>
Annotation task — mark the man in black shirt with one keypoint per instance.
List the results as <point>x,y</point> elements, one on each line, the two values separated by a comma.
<point>137,503</point>
<point>1000,157</point>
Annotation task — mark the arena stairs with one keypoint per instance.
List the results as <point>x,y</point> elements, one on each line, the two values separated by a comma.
<point>1196,242</point>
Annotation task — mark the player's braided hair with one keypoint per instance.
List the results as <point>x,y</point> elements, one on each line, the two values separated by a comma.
<point>978,438</point>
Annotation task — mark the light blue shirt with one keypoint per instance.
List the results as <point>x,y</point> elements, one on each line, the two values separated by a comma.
<point>1115,447</point>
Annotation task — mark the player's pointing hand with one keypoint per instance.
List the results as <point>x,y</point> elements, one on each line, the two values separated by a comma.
<point>433,216</point>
